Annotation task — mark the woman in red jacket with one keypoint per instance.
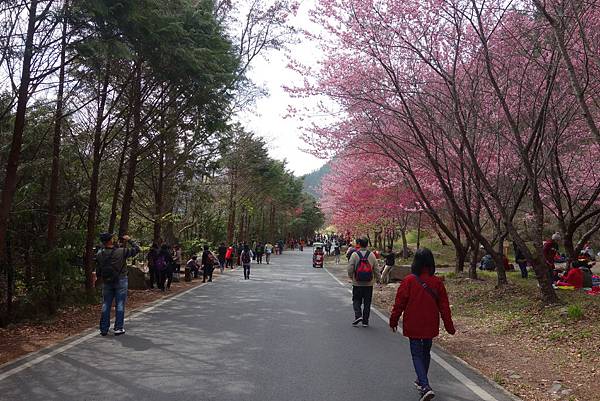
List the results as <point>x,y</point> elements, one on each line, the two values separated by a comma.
<point>574,278</point>
<point>422,298</point>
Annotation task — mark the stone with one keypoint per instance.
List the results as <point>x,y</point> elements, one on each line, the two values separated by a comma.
<point>137,278</point>
<point>555,388</point>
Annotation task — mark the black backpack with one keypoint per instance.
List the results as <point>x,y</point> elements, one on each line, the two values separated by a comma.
<point>107,272</point>
<point>246,257</point>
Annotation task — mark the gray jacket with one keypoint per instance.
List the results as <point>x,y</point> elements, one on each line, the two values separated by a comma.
<point>118,258</point>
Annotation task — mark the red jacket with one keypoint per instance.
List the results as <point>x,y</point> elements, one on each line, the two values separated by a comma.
<point>421,312</point>
<point>574,277</point>
<point>549,253</point>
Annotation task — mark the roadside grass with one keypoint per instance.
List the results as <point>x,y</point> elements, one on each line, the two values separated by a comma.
<point>547,343</point>
<point>520,302</point>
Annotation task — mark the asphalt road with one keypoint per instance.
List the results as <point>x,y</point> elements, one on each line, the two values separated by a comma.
<point>283,335</point>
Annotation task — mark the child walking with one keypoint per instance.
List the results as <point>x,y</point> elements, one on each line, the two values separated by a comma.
<point>422,298</point>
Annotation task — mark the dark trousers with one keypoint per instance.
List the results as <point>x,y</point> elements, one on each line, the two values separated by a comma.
<point>153,276</point>
<point>162,277</point>
<point>259,257</point>
<point>169,275</point>
<point>420,350</point>
<point>361,297</point>
<point>230,262</point>
<point>523,267</point>
<point>246,272</point>
<point>207,272</point>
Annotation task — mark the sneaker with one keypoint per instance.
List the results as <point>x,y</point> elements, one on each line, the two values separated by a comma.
<point>427,394</point>
<point>357,321</point>
<point>119,332</point>
<point>365,324</point>
<point>103,333</point>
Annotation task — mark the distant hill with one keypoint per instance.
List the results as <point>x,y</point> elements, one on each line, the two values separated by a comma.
<point>312,181</point>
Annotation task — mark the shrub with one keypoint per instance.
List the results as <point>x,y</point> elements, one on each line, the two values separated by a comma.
<point>575,312</point>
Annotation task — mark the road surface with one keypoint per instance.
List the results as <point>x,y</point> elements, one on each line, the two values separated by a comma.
<point>283,335</point>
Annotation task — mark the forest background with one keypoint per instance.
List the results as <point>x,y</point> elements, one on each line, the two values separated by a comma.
<point>119,116</point>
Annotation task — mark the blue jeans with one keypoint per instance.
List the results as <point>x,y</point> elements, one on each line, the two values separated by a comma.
<point>420,350</point>
<point>118,293</point>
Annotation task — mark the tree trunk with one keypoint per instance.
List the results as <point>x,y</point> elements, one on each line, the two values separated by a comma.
<point>158,197</point>
<point>419,232</point>
<point>404,244</point>
<point>232,210</point>
<point>133,151</point>
<point>541,270</point>
<point>461,258</point>
<point>54,180</point>
<point>474,260</point>
<point>499,260</point>
<point>440,236</point>
<point>14,155</point>
<point>117,189</point>
<point>94,181</point>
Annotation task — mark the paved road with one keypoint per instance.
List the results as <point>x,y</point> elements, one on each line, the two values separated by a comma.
<point>284,335</point>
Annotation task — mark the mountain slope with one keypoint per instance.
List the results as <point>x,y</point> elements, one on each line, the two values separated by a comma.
<point>312,181</point>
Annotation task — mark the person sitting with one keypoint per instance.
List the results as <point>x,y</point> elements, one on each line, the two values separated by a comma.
<point>573,278</point>
<point>587,250</point>
<point>487,263</point>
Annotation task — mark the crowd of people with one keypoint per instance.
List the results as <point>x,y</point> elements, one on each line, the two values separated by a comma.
<point>164,266</point>
<point>562,272</point>
<point>421,297</point>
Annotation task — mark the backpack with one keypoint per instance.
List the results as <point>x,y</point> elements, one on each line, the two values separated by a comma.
<point>107,272</point>
<point>160,263</point>
<point>246,258</point>
<point>364,271</point>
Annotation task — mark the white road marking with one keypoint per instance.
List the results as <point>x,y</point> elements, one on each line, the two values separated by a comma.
<point>474,387</point>
<point>77,341</point>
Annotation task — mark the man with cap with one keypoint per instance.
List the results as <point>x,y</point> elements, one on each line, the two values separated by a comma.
<point>112,268</point>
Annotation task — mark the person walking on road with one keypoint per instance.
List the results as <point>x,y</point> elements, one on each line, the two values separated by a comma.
<point>164,267</point>
<point>364,272</point>
<point>268,252</point>
<point>246,259</point>
<point>221,252</point>
<point>260,251</point>
<point>229,257</point>
<point>152,255</point>
<point>207,265</point>
<point>337,252</point>
<point>112,267</point>
<point>422,298</point>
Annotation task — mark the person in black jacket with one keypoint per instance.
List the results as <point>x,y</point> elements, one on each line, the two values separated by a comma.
<point>207,265</point>
<point>112,268</point>
<point>164,266</point>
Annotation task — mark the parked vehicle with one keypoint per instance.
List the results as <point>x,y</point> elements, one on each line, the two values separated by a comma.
<point>318,255</point>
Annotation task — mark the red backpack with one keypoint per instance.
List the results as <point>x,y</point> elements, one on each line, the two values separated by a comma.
<point>364,271</point>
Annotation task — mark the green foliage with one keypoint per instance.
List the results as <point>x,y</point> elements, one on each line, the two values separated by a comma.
<point>575,312</point>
